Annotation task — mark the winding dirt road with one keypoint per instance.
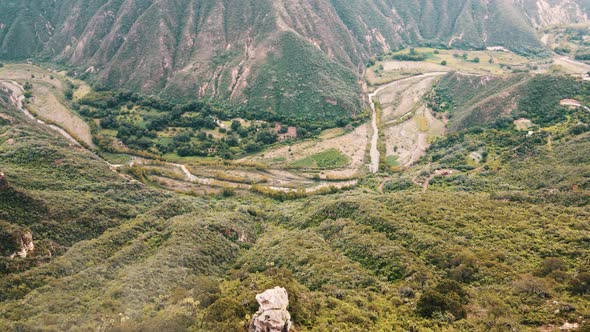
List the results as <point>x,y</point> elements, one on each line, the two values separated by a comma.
<point>17,97</point>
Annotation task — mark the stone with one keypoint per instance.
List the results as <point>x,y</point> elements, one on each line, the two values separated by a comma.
<point>569,326</point>
<point>24,243</point>
<point>272,316</point>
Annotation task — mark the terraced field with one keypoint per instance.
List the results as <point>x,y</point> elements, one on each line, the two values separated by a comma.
<point>47,101</point>
<point>408,125</point>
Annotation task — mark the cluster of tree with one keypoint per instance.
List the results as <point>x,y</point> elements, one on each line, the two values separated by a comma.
<point>583,56</point>
<point>412,56</point>
<point>119,110</point>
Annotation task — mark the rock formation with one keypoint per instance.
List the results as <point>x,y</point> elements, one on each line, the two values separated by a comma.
<point>272,316</point>
<point>24,243</point>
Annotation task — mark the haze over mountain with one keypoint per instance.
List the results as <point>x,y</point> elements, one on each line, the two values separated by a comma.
<point>290,55</point>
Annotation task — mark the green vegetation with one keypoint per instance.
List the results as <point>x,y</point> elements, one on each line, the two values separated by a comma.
<point>488,231</point>
<point>126,257</point>
<point>472,101</point>
<point>392,161</point>
<point>331,158</point>
<point>301,83</point>
<point>413,55</point>
<point>202,128</point>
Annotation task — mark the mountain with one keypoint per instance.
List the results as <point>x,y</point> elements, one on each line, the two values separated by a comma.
<point>290,56</point>
<point>127,205</point>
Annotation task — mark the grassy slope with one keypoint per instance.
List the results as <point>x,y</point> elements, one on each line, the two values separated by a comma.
<point>302,82</point>
<point>59,192</point>
<point>550,163</point>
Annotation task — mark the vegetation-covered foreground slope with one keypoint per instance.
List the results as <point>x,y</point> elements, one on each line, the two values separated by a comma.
<point>237,49</point>
<point>489,249</point>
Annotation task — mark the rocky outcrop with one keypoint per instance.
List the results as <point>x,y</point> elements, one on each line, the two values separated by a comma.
<point>24,244</point>
<point>272,316</point>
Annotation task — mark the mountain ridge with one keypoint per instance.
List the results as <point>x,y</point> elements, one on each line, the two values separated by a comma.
<point>211,49</point>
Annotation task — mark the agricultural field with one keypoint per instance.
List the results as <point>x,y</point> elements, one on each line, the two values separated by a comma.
<point>48,101</point>
<point>345,163</point>
<point>420,60</point>
<point>331,158</point>
<point>570,40</point>
<point>408,126</point>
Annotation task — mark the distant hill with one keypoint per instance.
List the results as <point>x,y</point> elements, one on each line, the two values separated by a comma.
<point>288,56</point>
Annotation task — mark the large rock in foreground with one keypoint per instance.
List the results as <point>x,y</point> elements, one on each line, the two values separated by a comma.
<point>272,316</point>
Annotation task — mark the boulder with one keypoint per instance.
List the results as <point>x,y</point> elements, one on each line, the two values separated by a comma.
<point>24,243</point>
<point>272,316</point>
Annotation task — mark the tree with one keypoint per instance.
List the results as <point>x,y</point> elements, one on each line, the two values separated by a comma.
<point>581,284</point>
<point>551,264</point>
<point>235,125</point>
<point>266,137</point>
<point>476,60</point>
<point>447,297</point>
<point>444,62</point>
<point>183,137</point>
<point>69,94</point>
<point>1,65</point>
<point>434,302</point>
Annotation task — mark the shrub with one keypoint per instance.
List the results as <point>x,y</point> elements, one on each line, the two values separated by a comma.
<point>532,286</point>
<point>551,264</point>
<point>433,302</point>
<point>447,297</point>
<point>580,284</point>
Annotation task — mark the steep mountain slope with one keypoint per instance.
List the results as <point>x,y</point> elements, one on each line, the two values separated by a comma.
<point>227,49</point>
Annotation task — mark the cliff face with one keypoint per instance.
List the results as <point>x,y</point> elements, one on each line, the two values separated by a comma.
<point>233,48</point>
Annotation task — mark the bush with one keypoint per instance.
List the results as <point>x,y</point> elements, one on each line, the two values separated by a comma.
<point>447,297</point>
<point>433,302</point>
<point>531,286</point>
<point>551,264</point>
<point>581,284</point>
